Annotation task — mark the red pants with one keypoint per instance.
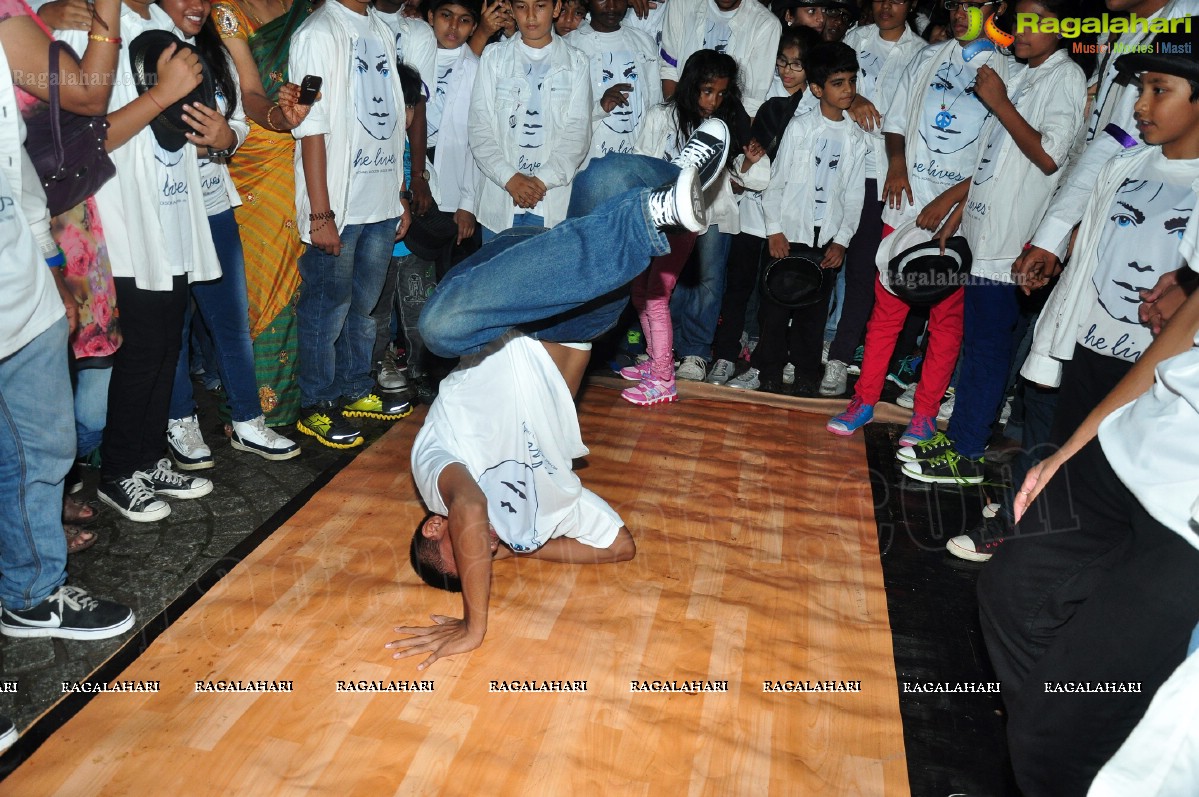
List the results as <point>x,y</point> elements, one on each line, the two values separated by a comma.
<point>940,356</point>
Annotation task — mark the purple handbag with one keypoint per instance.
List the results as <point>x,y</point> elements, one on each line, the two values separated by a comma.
<point>67,149</point>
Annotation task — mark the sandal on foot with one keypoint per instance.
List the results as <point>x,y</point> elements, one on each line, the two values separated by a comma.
<point>76,512</point>
<point>79,539</point>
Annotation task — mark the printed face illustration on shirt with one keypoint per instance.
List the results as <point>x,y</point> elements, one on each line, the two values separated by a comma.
<point>511,502</point>
<point>716,37</point>
<point>869,66</point>
<point>373,100</point>
<point>1139,243</point>
<point>620,68</point>
<point>443,81</point>
<point>532,126</point>
<point>952,116</point>
<point>826,159</point>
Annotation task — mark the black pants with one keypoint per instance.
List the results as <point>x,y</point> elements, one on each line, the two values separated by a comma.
<point>1090,589</point>
<point>860,272</point>
<point>793,335</point>
<point>1086,378</point>
<point>143,373</point>
<point>746,253</point>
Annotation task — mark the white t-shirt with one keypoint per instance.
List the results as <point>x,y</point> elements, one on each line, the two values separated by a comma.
<point>1150,443</point>
<point>173,211</point>
<point>375,165</point>
<point>1139,243</point>
<point>29,302</point>
<point>613,59</point>
<point>826,158</point>
<point>652,24</point>
<point>871,57</point>
<point>507,415</point>
<point>436,107</point>
<point>718,31</point>
<point>212,176</point>
<point>951,121</point>
<point>531,141</point>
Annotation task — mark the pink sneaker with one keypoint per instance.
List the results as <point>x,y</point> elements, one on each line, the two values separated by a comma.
<point>650,391</point>
<point>636,372</point>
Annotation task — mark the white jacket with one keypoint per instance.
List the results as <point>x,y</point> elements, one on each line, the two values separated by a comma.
<point>658,138</point>
<point>1051,98</point>
<point>500,91</point>
<point>1057,328</point>
<point>323,45</point>
<point>754,44</point>
<point>29,301</point>
<point>455,177</point>
<point>788,201</point>
<point>885,85</point>
<point>1113,106</point>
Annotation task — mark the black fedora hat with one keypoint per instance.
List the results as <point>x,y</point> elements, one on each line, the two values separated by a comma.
<point>168,127</point>
<point>1174,53</point>
<point>793,281</point>
<point>918,272</point>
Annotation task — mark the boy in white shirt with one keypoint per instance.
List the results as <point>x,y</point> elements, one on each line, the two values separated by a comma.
<point>745,30</point>
<point>530,123</point>
<point>625,79</point>
<point>932,129</point>
<point>814,200</point>
<point>351,207</point>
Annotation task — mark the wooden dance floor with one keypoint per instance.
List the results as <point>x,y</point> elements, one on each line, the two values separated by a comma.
<point>757,562</point>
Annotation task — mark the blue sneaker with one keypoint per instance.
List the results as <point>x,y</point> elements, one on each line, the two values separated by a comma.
<point>857,415</point>
<point>920,429</point>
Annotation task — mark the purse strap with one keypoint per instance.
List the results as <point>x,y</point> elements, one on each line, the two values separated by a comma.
<point>55,107</point>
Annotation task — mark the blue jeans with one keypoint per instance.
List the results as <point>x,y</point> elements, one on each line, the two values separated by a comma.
<point>225,311</point>
<point>695,305</point>
<point>37,445</point>
<point>91,407</point>
<point>524,219</point>
<point>990,317</point>
<point>614,174</point>
<point>337,295</point>
<point>564,284</point>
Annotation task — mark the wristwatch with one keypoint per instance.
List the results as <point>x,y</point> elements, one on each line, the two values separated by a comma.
<point>406,195</point>
<point>425,175</point>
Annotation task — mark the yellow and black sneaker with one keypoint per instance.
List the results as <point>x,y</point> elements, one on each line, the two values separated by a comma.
<point>327,425</point>
<point>381,409</point>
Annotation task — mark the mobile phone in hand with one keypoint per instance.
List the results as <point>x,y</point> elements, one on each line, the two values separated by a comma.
<point>310,86</point>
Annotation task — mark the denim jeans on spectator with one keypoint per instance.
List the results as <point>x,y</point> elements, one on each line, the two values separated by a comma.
<point>569,283</point>
<point>337,295</point>
<point>225,310</point>
<point>990,315</point>
<point>695,305</point>
<point>91,407</point>
<point>522,219</point>
<point>37,445</point>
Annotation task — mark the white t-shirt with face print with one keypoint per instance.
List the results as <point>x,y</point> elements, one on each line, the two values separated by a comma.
<point>506,414</point>
<point>613,58</point>
<point>436,107</point>
<point>375,164</point>
<point>718,30</point>
<point>530,140</point>
<point>826,155</point>
<point>173,209</point>
<point>1139,243</point>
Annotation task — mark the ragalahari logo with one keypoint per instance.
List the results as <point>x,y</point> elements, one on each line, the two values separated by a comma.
<point>978,27</point>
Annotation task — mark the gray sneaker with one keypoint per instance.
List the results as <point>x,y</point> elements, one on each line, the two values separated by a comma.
<point>746,381</point>
<point>388,374</point>
<point>836,377</point>
<point>692,368</point>
<point>722,371</point>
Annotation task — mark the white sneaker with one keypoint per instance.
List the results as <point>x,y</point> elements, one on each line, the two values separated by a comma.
<point>389,376</point>
<point>692,368</point>
<point>907,399</point>
<point>836,377</point>
<point>946,410</point>
<point>679,204</point>
<point>706,151</point>
<point>746,381</point>
<point>1006,413</point>
<point>257,438</point>
<point>788,374</point>
<point>186,444</point>
<point>722,371</point>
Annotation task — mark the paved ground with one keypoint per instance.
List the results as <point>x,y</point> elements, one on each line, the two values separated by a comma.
<point>149,565</point>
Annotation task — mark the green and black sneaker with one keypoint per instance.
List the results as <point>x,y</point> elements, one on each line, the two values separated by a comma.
<point>949,468</point>
<point>371,406</point>
<point>327,425</point>
<point>931,448</point>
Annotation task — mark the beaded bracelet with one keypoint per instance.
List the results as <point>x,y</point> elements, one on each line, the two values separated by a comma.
<point>324,216</point>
